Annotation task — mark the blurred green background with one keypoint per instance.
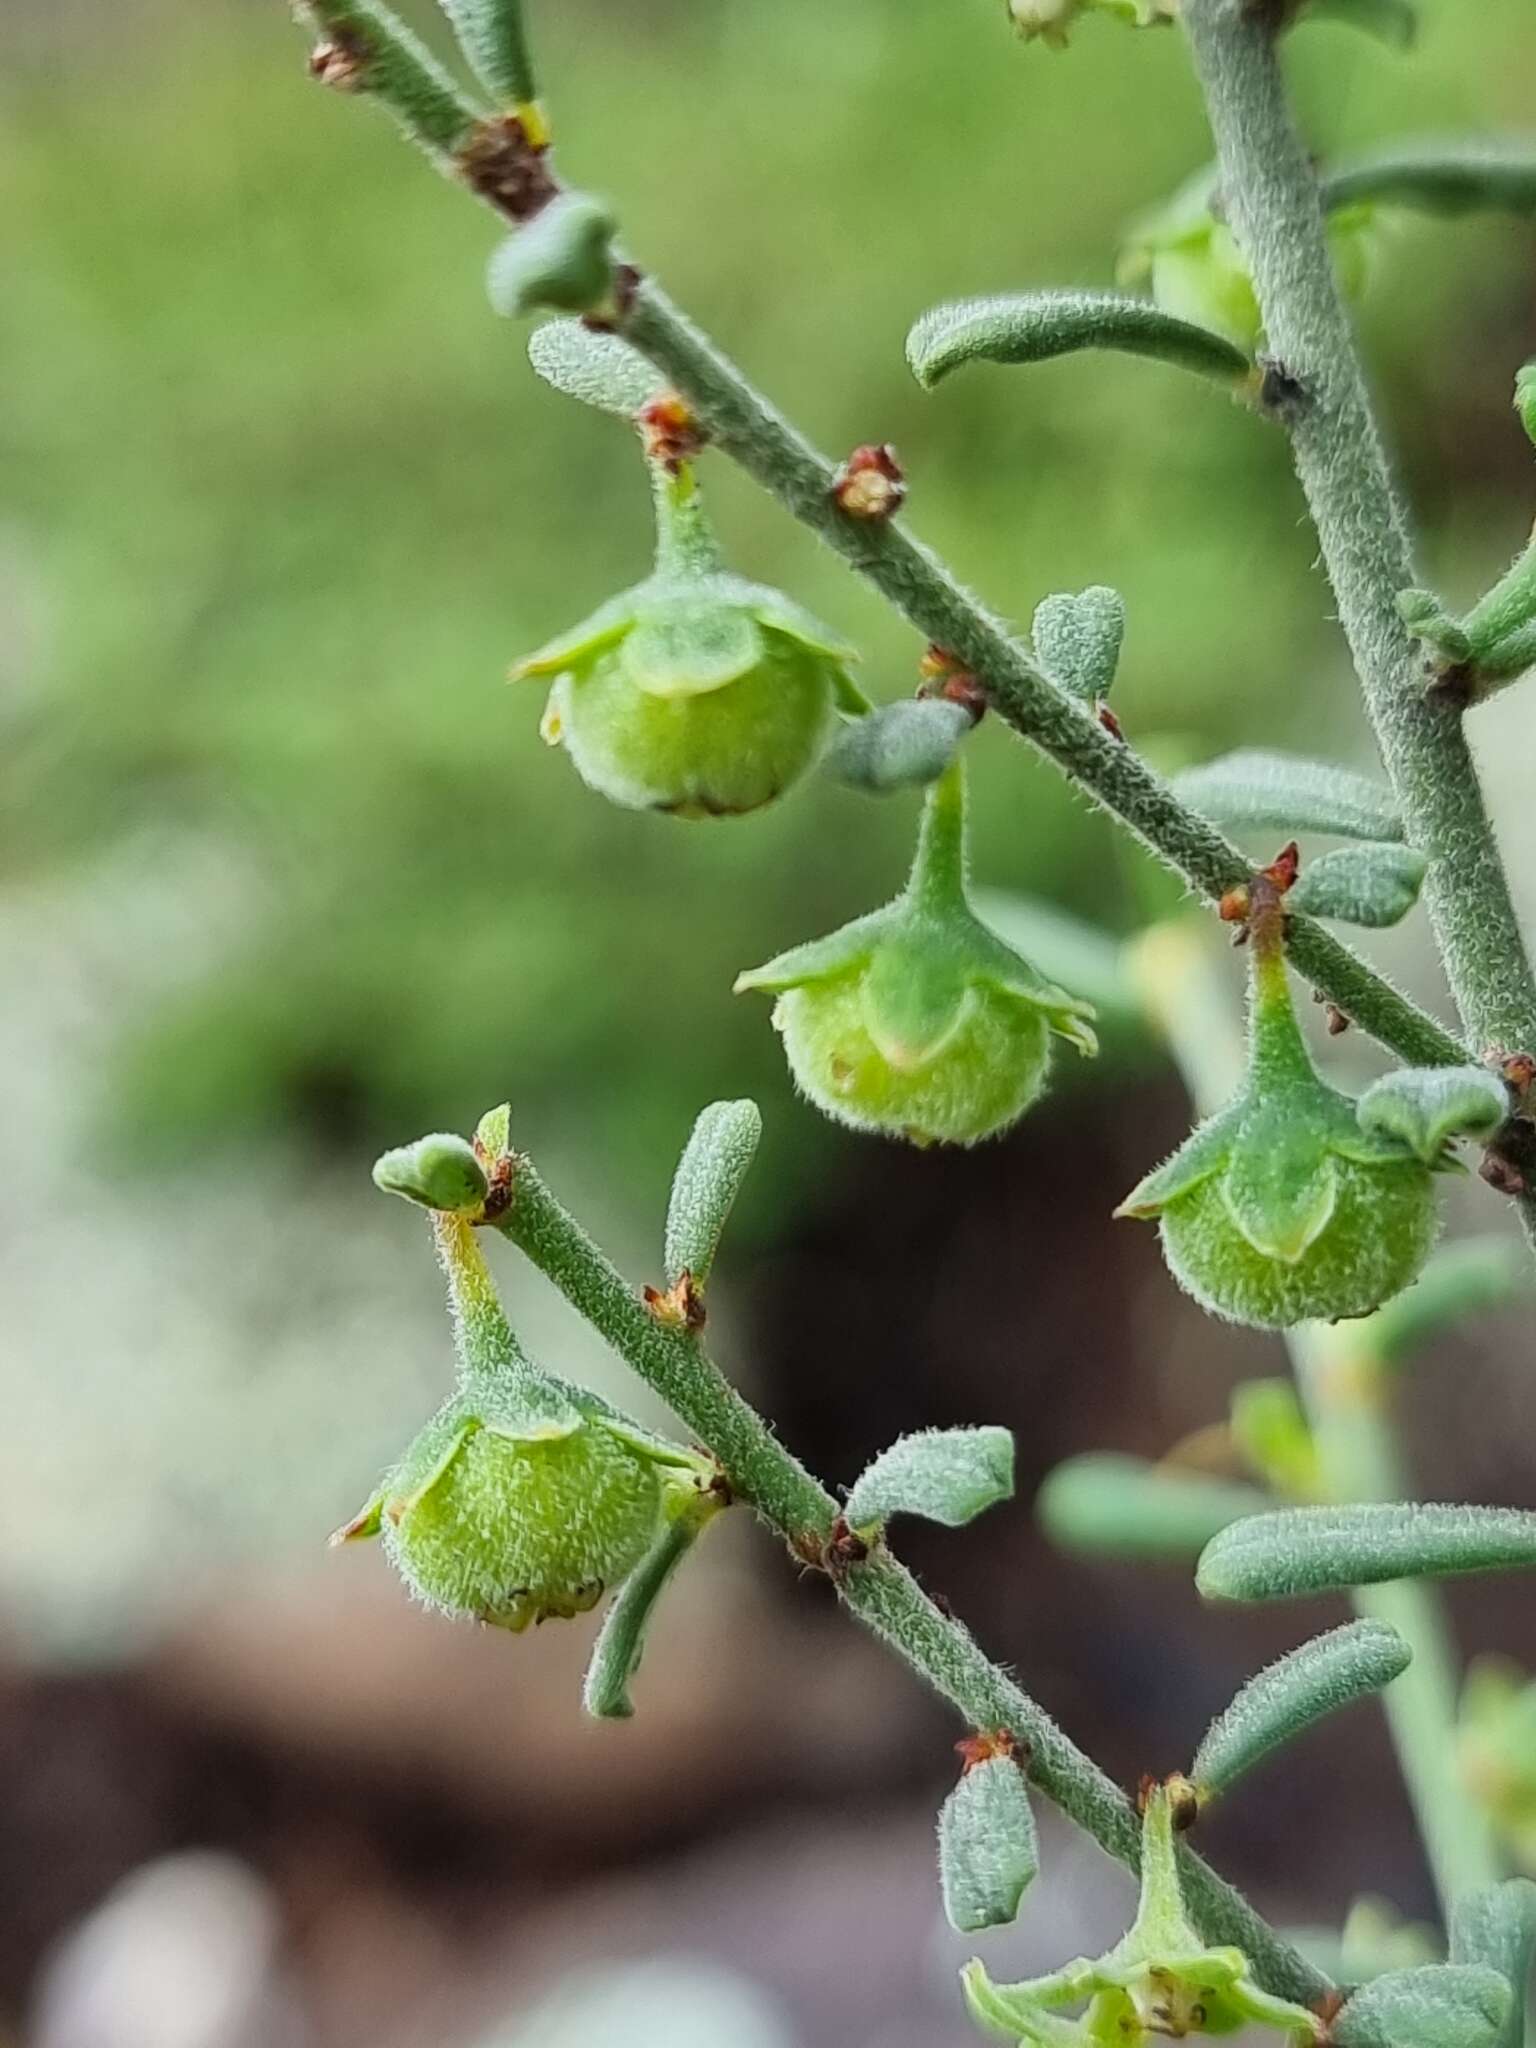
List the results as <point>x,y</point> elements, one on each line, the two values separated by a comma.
<point>285,876</point>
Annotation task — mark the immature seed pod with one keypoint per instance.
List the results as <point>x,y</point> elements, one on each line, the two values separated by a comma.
<point>696,692</point>
<point>512,1525</point>
<point>1282,1207</point>
<point>918,1021</point>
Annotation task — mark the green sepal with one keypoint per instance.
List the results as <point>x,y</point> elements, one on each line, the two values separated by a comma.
<point>780,614</point>
<point>1255,787</point>
<point>1289,1696</point>
<point>834,957</point>
<point>1441,2005</point>
<point>1424,1108</point>
<point>715,1162</point>
<point>947,1476</point>
<point>989,1851</point>
<point>1280,1185</point>
<point>1271,1433</point>
<point>1204,1152</point>
<point>440,1171</point>
<point>1078,638</point>
<point>686,642</point>
<point>1374,885</point>
<point>1294,1552</point>
<point>1105,1505</point>
<point>493,1133</point>
<point>598,369</point>
<point>562,260</point>
<point>598,631</point>
<point>1495,1928</point>
<point>1031,327</point>
<point>914,997</point>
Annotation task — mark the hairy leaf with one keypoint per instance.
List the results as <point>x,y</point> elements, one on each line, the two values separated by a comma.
<point>1495,1928</point>
<point>1442,2005</point>
<point>1427,1106</point>
<point>1078,636</point>
<point>599,369</point>
<point>1449,175</point>
<point>621,1642</point>
<point>1030,327</point>
<point>1285,1699</point>
<point>988,1849</point>
<point>1293,1552</point>
<point>704,1188</point>
<point>1255,787</point>
<point>490,33</point>
<point>909,742</point>
<point>1375,884</point>
<point>944,1475</point>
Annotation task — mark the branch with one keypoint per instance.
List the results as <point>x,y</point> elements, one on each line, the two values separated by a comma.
<point>1273,199</point>
<point>880,1592</point>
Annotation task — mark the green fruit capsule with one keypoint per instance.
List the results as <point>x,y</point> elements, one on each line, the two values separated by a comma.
<point>696,692</point>
<point>1282,1208</point>
<point>918,1021</point>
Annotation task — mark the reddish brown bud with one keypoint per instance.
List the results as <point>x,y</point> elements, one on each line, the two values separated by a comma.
<point>1518,1070</point>
<point>1336,1020</point>
<point>680,1307</point>
<point>1502,1173</point>
<point>506,167</point>
<point>870,484</point>
<point>1110,723</point>
<point>985,1747</point>
<point>1235,905</point>
<point>670,431</point>
<point>338,64</point>
<point>1284,868</point>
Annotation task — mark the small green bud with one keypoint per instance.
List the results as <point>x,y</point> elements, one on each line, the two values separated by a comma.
<point>1281,1207</point>
<point>562,260</point>
<point>917,1021</point>
<point>440,1172</point>
<point>696,692</point>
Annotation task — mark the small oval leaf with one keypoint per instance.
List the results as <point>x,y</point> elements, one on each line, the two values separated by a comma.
<point>1374,885</point>
<point>988,1848</point>
<point>1105,1505</point>
<point>599,369</point>
<point>563,259</point>
<point>491,35</point>
<point>1254,786</point>
<point>900,745</point>
<point>1495,1928</point>
<point>621,1642</point>
<point>1454,175</point>
<point>1294,1552</point>
<point>1031,327</point>
<point>1442,2005</point>
<point>1286,1698</point>
<point>1078,637</point>
<point>1428,1106</point>
<point>709,1175</point>
<point>944,1475</point>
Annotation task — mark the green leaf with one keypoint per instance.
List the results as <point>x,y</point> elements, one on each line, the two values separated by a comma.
<point>1453,175</point>
<point>621,1642</point>
<point>944,1475</point>
<point>493,1133</point>
<point>1030,327</point>
<point>1442,2005</point>
<point>1286,1698</point>
<point>387,62</point>
<point>1425,1107</point>
<point>1495,1927</point>
<point>439,1172</point>
<point>1078,638</point>
<point>1295,1552</point>
<point>988,1848</point>
<point>1473,1274</point>
<point>1255,787</point>
<point>1374,885</point>
<point>708,1179</point>
<point>1105,1505</point>
<point>910,742</point>
<point>490,33</point>
<point>1067,950</point>
<point>562,260</point>
<point>599,369</point>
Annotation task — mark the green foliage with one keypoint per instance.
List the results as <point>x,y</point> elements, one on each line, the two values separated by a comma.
<point>492,36</point>
<point>1373,885</point>
<point>1078,637</point>
<point>1438,2006</point>
<point>439,1172</point>
<point>1286,1698</point>
<point>1254,787</point>
<point>715,1162</point>
<point>620,1644</point>
<point>1105,1505</point>
<point>1300,1551</point>
<point>989,1852</point>
<point>899,746</point>
<point>1495,1928</point>
<point>596,368</point>
<point>1426,1107</point>
<point>1031,327</point>
<point>562,261</point>
<point>944,1475</point>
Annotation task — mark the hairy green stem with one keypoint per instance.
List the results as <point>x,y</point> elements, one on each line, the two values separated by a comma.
<point>880,1592</point>
<point>742,422</point>
<point>1270,191</point>
<point>1347,1398</point>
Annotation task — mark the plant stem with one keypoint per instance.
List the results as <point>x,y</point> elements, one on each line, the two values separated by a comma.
<point>1271,195</point>
<point>742,422</point>
<point>881,1592</point>
<point>1347,1397</point>
<point>1345,1389</point>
